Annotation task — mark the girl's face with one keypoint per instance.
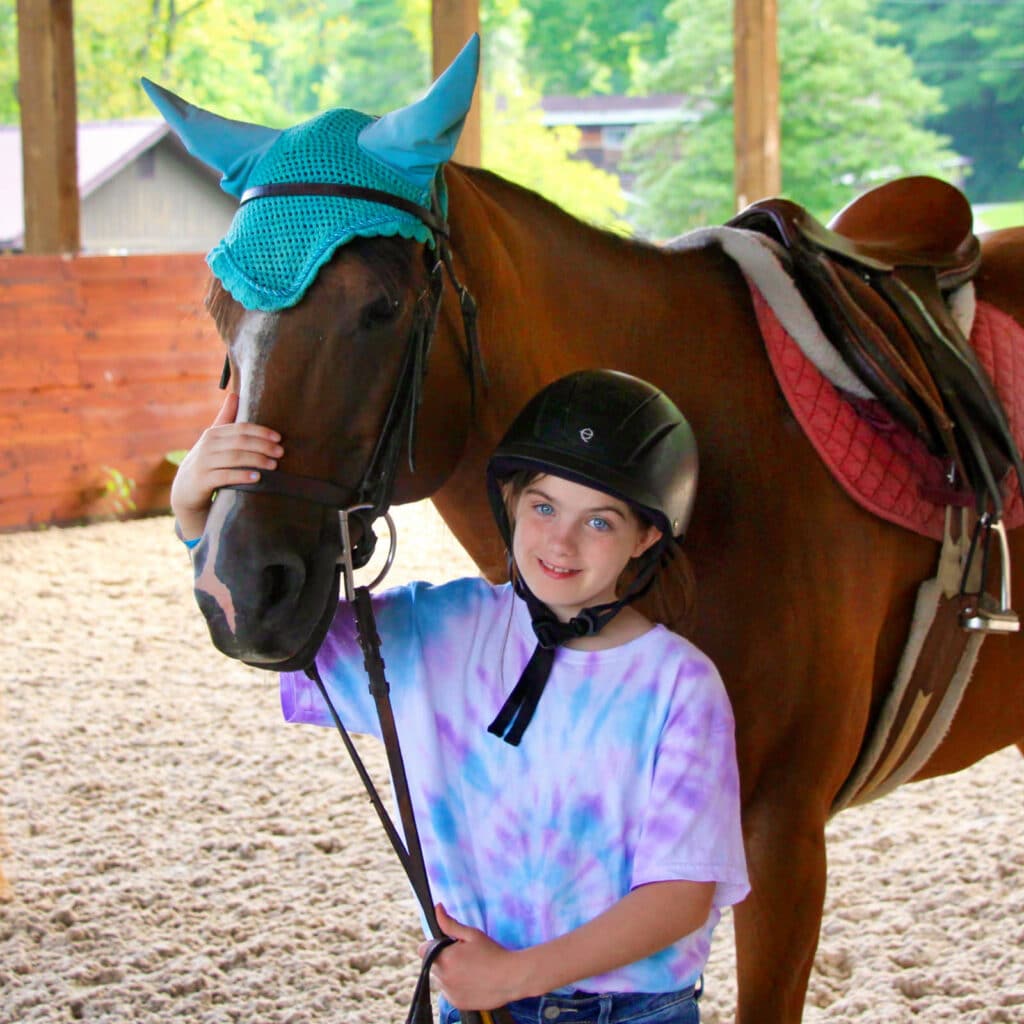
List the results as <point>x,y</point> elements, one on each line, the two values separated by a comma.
<point>571,543</point>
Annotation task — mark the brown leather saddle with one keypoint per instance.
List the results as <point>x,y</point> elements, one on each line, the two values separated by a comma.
<point>877,278</point>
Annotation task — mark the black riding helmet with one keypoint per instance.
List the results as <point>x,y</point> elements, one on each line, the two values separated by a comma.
<point>619,435</point>
<point>609,431</point>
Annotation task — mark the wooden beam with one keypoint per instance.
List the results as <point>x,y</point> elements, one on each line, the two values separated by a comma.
<point>46,91</point>
<point>758,170</point>
<point>452,23</point>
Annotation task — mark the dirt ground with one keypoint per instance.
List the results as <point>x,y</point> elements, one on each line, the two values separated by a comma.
<point>179,854</point>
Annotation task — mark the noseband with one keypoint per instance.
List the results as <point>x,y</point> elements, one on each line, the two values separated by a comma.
<point>372,497</point>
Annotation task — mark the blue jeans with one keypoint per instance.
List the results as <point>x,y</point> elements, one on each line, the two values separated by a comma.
<point>587,1008</point>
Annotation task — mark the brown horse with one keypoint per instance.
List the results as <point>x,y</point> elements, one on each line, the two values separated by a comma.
<point>804,598</point>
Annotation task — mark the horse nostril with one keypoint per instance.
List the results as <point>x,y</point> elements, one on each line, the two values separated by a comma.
<point>281,585</point>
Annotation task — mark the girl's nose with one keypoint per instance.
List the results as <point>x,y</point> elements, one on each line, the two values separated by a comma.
<point>563,537</point>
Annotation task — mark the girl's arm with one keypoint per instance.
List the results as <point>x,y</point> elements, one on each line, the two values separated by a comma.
<point>478,974</point>
<point>226,453</point>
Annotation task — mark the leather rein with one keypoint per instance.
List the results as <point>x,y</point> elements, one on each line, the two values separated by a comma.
<point>371,500</point>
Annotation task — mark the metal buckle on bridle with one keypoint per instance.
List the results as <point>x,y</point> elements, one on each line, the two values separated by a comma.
<point>345,557</point>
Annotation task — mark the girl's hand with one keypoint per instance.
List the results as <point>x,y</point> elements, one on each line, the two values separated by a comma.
<point>475,973</point>
<point>226,453</point>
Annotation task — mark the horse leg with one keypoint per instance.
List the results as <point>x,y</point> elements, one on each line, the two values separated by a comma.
<point>777,925</point>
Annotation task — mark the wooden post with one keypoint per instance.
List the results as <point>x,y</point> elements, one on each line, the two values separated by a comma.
<point>452,23</point>
<point>46,90</point>
<point>756,102</point>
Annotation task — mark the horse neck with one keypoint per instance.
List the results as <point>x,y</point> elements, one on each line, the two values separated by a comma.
<point>555,293</point>
<point>513,240</point>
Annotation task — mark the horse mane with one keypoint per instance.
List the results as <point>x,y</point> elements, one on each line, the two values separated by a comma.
<point>510,195</point>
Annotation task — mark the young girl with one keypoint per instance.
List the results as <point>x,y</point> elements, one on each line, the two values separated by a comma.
<point>581,863</point>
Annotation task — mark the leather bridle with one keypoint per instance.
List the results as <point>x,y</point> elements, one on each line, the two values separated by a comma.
<point>372,497</point>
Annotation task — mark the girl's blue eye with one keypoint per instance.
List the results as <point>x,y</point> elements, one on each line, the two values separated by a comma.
<point>598,523</point>
<point>543,508</point>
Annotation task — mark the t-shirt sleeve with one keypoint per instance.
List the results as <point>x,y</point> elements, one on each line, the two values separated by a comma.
<point>341,667</point>
<point>691,827</point>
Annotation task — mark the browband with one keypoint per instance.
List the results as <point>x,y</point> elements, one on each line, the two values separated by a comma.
<point>330,188</point>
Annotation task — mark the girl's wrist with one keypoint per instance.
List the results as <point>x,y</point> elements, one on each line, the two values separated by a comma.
<point>527,976</point>
<point>187,533</point>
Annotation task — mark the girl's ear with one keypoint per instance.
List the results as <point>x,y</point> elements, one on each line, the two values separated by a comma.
<point>647,537</point>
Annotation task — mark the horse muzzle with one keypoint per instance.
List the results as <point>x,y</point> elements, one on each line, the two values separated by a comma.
<point>267,580</point>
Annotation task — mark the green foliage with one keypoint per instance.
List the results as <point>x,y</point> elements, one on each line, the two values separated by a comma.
<point>1001,215</point>
<point>581,47</point>
<point>207,51</point>
<point>370,55</point>
<point>8,62</point>
<point>851,114</point>
<point>973,52</point>
<point>119,490</point>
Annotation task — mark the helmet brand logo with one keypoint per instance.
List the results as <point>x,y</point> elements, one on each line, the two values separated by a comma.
<point>586,435</point>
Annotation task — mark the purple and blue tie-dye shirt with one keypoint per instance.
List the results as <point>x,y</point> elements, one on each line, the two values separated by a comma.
<point>627,774</point>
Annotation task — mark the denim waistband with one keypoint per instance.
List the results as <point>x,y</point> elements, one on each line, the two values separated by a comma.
<point>604,1008</point>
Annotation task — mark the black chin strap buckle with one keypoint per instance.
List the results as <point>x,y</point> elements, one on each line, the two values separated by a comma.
<point>586,623</point>
<point>547,633</point>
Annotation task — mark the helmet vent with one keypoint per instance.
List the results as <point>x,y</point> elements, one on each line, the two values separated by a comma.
<point>651,441</point>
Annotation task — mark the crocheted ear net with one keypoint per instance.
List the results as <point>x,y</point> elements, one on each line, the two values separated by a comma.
<point>276,245</point>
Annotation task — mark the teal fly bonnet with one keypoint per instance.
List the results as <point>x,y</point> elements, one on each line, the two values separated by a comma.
<point>277,243</point>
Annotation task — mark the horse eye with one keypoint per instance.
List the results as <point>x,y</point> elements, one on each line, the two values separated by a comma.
<point>379,312</point>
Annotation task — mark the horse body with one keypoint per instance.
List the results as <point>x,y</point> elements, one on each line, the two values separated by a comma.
<point>804,599</point>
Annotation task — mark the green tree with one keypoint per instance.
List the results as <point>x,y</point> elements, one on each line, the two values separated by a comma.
<point>974,53</point>
<point>851,114</point>
<point>8,63</point>
<point>370,55</point>
<point>579,47</point>
<point>203,49</point>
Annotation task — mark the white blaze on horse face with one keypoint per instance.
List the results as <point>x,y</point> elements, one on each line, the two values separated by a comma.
<point>207,579</point>
<point>250,350</point>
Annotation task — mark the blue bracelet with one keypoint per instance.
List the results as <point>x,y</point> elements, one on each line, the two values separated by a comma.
<point>190,544</point>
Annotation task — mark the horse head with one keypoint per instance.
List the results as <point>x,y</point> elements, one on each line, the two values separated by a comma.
<point>327,289</point>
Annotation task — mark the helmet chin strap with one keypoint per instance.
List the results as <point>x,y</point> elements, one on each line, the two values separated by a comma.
<point>516,713</point>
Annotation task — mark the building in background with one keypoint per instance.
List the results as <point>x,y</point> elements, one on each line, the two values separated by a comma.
<point>141,191</point>
<point>606,122</point>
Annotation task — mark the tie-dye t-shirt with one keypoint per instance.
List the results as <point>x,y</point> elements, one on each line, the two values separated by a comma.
<point>627,774</point>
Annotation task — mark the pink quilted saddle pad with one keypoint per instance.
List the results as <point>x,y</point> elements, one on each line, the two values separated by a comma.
<point>879,463</point>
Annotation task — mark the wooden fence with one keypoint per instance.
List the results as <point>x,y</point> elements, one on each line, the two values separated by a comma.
<point>107,364</point>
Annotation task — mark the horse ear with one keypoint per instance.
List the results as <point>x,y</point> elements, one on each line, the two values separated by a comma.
<point>231,147</point>
<point>417,139</point>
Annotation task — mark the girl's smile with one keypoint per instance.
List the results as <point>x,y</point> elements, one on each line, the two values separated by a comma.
<point>556,572</point>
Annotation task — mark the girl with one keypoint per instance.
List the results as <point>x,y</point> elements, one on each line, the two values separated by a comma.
<point>581,864</point>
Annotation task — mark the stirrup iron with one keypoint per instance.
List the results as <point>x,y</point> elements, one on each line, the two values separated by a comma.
<point>987,615</point>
